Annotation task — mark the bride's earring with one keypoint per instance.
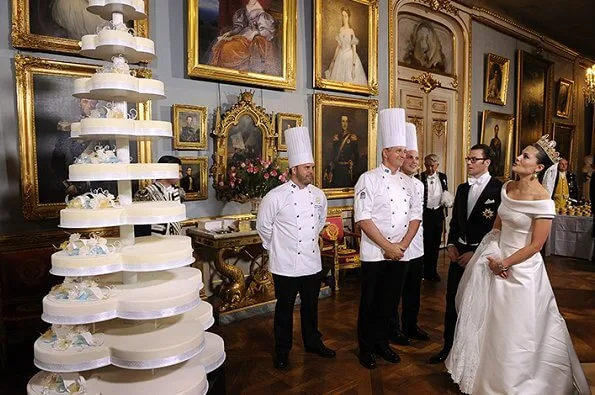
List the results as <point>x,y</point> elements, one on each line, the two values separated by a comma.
<point>534,175</point>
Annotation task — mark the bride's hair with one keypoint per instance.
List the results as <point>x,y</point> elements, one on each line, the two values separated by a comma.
<point>542,159</point>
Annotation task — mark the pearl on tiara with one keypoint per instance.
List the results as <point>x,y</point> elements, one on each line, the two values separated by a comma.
<point>549,147</point>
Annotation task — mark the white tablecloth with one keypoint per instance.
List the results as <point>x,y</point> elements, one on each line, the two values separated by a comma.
<point>571,236</point>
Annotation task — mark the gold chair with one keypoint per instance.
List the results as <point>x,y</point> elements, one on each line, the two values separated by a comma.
<point>333,245</point>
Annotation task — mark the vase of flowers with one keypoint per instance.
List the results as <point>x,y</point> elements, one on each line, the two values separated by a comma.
<point>249,180</point>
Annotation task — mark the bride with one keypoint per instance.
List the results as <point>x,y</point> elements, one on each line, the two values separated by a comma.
<point>510,337</point>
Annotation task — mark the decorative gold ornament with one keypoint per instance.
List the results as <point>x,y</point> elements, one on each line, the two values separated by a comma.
<point>439,127</point>
<point>441,5</point>
<point>455,81</point>
<point>427,82</point>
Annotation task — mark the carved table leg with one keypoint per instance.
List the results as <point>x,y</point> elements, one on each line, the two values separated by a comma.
<point>232,292</point>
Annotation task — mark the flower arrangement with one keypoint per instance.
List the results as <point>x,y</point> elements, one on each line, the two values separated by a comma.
<point>249,179</point>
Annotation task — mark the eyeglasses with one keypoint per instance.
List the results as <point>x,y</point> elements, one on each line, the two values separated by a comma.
<point>473,159</point>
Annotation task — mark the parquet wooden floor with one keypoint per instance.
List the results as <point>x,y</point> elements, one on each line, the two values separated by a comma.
<point>249,343</point>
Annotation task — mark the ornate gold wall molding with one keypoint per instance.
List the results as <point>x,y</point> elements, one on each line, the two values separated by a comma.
<point>427,82</point>
<point>441,5</point>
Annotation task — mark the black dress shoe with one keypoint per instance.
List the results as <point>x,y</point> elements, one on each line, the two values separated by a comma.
<point>387,354</point>
<point>321,350</point>
<point>281,361</point>
<point>438,358</point>
<point>367,360</point>
<point>417,333</point>
<point>399,338</point>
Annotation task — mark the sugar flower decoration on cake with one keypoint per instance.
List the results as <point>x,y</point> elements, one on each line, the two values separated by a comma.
<point>119,66</point>
<point>92,200</point>
<point>64,337</point>
<point>93,246</point>
<point>81,289</point>
<point>54,383</point>
<point>102,154</point>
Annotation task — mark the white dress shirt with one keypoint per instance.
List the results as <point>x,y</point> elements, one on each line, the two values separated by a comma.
<point>434,191</point>
<point>389,201</point>
<point>477,187</point>
<point>416,248</point>
<point>288,222</point>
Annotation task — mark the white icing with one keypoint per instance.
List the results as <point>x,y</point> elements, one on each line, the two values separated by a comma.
<point>138,213</point>
<point>118,87</point>
<point>93,127</point>
<point>131,9</point>
<point>149,253</point>
<point>132,344</point>
<point>122,171</point>
<point>154,295</point>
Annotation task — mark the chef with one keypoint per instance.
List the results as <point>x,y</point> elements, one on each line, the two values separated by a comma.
<point>290,217</point>
<point>388,212</point>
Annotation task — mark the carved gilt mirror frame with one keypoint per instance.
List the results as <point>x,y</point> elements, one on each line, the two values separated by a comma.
<point>240,122</point>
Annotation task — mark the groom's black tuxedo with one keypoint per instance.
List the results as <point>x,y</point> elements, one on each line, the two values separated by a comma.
<point>481,220</point>
<point>470,230</point>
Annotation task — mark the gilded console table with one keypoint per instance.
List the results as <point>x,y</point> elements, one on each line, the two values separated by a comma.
<point>236,292</point>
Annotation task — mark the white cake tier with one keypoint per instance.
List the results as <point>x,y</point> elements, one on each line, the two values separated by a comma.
<point>110,128</point>
<point>108,43</point>
<point>131,9</point>
<point>148,254</point>
<point>213,355</point>
<point>186,378</point>
<point>122,171</point>
<point>155,295</point>
<point>127,344</point>
<point>118,87</point>
<point>138,213</point>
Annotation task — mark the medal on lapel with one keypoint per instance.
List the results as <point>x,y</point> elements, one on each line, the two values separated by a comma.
<point>487,213</point>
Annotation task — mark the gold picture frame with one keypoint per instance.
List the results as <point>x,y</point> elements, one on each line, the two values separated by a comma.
<point>491,124</point>
<point>496,79</point>
<point>205,47</point>
<point>334,174</point>
<point>284,121</point>
<point>283,163</point>
<point>327,25</point>
<point>563,134</point>
<point>23,37</point>
<point>36,148</point>
<point>238,129</point>
<point>195,189</point>
<point>187,137</point>
<point>564,97</point>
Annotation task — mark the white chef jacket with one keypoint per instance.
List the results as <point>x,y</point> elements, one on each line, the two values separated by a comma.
<point>416,248</point>
<point>289,221</point>
<point>389,201</point>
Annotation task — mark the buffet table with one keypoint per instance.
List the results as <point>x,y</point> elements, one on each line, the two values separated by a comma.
<point>571,236</point>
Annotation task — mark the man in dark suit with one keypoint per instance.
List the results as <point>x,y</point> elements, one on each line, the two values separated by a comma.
<point>474,211</point>
<point>433,215</point>
<point>569,190</point>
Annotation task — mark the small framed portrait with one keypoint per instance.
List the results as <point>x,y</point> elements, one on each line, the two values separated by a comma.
<point>190,127</point>
<point>46,111</point>
<point>346,45</point>
<point>564,136</point>
<point>496,79</point>
<point>58,25</point>
<point>193,178</point>
<point>497,131</point>
<point>564,98</point>
<point>284,122</point>
<point>243,41</point>
<point>344,142</point>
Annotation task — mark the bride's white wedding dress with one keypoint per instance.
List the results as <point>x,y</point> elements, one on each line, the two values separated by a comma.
<point>510,337</point>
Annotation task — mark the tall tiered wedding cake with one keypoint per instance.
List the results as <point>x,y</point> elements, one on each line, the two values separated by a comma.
<point>128,318</point>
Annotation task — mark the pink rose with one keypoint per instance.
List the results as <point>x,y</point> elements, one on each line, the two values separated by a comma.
<point>274,173</point>
<point>256,169</point>
<point>266,176</point>
<point>221,183</point>
<point>231,184</point>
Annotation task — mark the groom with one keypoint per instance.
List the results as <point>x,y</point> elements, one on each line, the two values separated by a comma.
<point>474,211</point>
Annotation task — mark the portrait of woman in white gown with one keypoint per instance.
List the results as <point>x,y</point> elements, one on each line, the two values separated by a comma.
<point>346,65</point>
<point>510,337</point>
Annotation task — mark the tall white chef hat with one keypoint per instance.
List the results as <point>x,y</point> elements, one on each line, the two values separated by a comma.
<point>411,137</point>
<point>391,122</point>
<point>299,148</point>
